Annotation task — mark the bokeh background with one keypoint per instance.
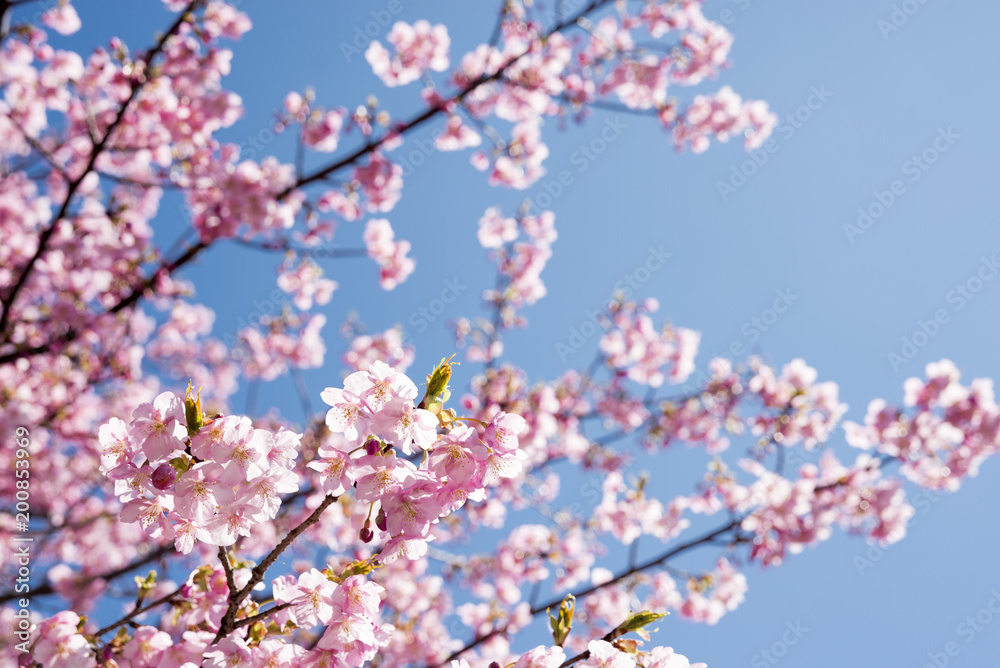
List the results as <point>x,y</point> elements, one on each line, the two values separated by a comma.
<point>890,89</point>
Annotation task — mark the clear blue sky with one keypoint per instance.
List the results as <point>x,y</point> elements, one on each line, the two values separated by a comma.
<point>891,95</point>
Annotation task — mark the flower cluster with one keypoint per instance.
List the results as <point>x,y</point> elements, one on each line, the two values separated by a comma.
<point>376,415</point>
<point>419,48</point>
<point>388,346</point>
<point>953,428</point>
<point>724,115</point>
<point>637,514</point>
<point>634,346</point>
<point>305,282</point>
<point>284,340</point>
<point>189,481</point>
<point>347,607</point>
<point>389,254</point>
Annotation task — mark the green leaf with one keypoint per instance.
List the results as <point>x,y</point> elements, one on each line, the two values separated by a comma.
<point>359,567</point>
<point>563,623</point>
<point>192,412</point>
<point>635,622</point>
<point>145,585</point>
<point>437,385</point>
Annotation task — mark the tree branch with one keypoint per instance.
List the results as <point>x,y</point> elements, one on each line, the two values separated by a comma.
<point>47,589</point>
<point>260,570</point>
<point>260,616</point>
<point>646,565</point>
<point>138,611</point>
<point>430,113</point>
<point>228,568</point>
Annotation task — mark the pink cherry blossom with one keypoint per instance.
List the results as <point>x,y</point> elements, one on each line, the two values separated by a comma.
<point>62,18</point>
<point>419,48</point>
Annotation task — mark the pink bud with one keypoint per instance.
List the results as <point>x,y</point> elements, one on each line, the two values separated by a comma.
<point>163,477</point>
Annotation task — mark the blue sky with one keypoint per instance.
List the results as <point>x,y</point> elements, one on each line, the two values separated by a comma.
<point>908,113</point>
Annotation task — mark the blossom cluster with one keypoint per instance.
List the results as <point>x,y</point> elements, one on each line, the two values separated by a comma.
<point>520,247</point>
<point>375,413</point>
<point>388,253</point>
<point>210,482</point>
<point>634,347</point>
<point>419,48</point>
<point>388,346</point>
<point>285,340</point>
<point>92,144</point>
<point>952,430</point>
<point>348,608</point>
<point>304,280</point>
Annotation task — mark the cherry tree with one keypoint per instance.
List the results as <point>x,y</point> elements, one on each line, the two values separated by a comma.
<point>149,524</point>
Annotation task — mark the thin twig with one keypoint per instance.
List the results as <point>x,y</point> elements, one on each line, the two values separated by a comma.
<point>228,623</point>
<point>138,611</point>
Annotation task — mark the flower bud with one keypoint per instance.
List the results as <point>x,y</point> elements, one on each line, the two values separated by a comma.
<point>163,477</point>
<point>380,519</point>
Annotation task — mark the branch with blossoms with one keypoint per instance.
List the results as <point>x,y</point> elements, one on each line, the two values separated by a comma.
<point>320,129</point>
<point>348,507</point>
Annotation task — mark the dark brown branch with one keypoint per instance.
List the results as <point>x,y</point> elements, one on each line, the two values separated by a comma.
<point>47,589</point>
<point>228,568</point>
<point>236,598</point>
<point>260,616</point>
<point>430,113</point>
<point>646,565</point>
<point>138,611</point>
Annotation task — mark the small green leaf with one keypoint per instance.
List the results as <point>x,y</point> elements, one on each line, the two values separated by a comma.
<point>563,623</point>
<point>145,585</point>
<point>635,622</point>
<point>192,412</point>
<point>360,567</point>
<point>180,464</point>
<point>437,385</point>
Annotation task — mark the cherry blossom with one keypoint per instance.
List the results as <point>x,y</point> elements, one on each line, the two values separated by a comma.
<point>419,48</point>
<point>389,526</point>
